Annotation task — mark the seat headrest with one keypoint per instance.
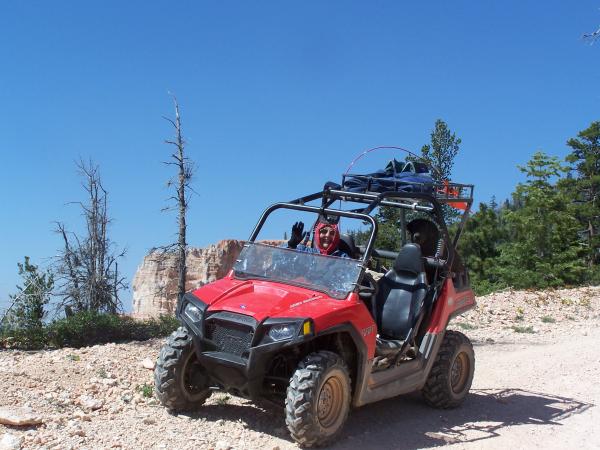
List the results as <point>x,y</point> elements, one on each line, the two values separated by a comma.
<point>425,233</point>
<point>347,245</point>
<point>409,259</point>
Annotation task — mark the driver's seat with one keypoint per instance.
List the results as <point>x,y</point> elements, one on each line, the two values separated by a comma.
<point>399,301</point>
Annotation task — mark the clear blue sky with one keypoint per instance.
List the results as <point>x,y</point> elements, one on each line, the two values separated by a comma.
<point>277,97</point>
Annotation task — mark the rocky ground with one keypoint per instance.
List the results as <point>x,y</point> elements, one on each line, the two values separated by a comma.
<point>538,362</point>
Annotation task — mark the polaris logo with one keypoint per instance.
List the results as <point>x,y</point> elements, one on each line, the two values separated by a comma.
<point>367,331</point>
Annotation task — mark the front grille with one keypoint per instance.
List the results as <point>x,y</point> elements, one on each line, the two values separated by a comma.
<point>229,337</point>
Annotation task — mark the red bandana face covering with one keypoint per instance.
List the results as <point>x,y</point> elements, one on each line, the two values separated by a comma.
<point>335,240</point>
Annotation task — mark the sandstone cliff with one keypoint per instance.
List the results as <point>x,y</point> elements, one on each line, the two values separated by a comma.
<point>155,282</point>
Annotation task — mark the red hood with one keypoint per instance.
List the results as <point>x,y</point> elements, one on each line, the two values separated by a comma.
<point>259,299</point>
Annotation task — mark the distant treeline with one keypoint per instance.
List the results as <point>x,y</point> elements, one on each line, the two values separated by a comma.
<point>547,234</point>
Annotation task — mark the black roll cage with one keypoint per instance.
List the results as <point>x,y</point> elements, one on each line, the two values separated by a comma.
<point>404,200</point>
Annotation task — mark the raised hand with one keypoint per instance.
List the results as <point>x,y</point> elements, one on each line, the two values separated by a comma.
<point>298,234</point>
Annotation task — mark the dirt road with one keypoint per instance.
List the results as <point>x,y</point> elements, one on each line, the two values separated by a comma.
<point>537,389</point>
<point>525,395</point>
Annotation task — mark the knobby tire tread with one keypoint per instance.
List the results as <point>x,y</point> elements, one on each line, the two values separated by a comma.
<point>301,391</point>
<point>437,390</point>
<point>170,362</point>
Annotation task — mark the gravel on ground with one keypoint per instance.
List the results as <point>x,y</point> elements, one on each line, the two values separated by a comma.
<point>535,386</point>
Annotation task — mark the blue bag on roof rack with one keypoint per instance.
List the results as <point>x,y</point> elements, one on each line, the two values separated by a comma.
<point>397,176</point>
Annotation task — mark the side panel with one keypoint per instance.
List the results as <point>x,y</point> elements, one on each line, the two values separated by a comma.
<point>407,377</point>
<point>351,310</point>
<point>449,304</point>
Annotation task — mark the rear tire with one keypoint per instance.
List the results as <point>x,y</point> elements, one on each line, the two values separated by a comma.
<point>179,380</point>
<point>452,373</point>
<point>318,399</point>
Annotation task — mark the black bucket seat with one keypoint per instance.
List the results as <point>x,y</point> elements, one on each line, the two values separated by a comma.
<point>399,300</point>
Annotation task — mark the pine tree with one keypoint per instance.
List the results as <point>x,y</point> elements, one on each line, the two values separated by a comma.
<point>480,244</point>
<point>544,249</point>
<point>441,152</point>
<point>584,188</point>
<point>440,156</point>
<point>25,318</point>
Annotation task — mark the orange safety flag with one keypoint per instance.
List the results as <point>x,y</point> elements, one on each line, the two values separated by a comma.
<point>452,191</point>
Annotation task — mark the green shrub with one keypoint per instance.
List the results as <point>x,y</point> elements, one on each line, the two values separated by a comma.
<point>32,338</point>
<point>548,319</point>
<point>485,287</point>
<point>521,329</point>
<point>88,328</point>
<point>147,390</point>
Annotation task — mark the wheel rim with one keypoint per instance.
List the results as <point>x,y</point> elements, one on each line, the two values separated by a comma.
<point>330,402</point>
<point>459,373</point>
<point>192,381</point>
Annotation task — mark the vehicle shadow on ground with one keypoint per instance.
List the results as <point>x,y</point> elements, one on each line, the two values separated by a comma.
<point>263,418</point>
<point>406,422</point>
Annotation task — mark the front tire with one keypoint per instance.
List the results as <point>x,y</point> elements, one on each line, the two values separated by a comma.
<point>318,399</point>
<point>452,373</point>
<point>179,380</point>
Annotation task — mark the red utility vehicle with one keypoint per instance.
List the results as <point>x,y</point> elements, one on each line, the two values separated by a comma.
<point>322,334</point>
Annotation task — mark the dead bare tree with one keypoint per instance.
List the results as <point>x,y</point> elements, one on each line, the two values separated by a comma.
<point>182,183</point>
<point>87,267</point>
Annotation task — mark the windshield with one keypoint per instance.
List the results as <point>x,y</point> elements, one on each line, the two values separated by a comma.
<point>334,276</point>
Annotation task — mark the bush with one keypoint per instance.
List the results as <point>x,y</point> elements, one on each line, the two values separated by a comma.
<point>33,338</point>
<point>89,328</point>
<point>485,287</point>
<point>521,329</point>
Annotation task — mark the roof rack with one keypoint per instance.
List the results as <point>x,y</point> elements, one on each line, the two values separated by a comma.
<point>444,192</point>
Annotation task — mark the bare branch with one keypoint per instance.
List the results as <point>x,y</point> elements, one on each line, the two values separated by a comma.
<point>87,267</point>
<point>171,121</point>
<point>185,171</point>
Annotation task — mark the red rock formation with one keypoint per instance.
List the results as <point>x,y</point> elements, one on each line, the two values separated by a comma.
<point>155,281</point>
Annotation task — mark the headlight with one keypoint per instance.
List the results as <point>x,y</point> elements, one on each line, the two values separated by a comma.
<point>283,331</point>
<point>193,312</point>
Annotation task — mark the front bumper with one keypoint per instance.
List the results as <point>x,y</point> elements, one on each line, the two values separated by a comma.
<point>236,350</point>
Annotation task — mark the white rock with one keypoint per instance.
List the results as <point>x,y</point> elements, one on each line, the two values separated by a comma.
<point>77,432</point>
<point>90,403</point>
<point>10,442</point>
<point>19,416</point>
<point>82,416</point>
<point>147,363</point>
<point>222,445</point>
